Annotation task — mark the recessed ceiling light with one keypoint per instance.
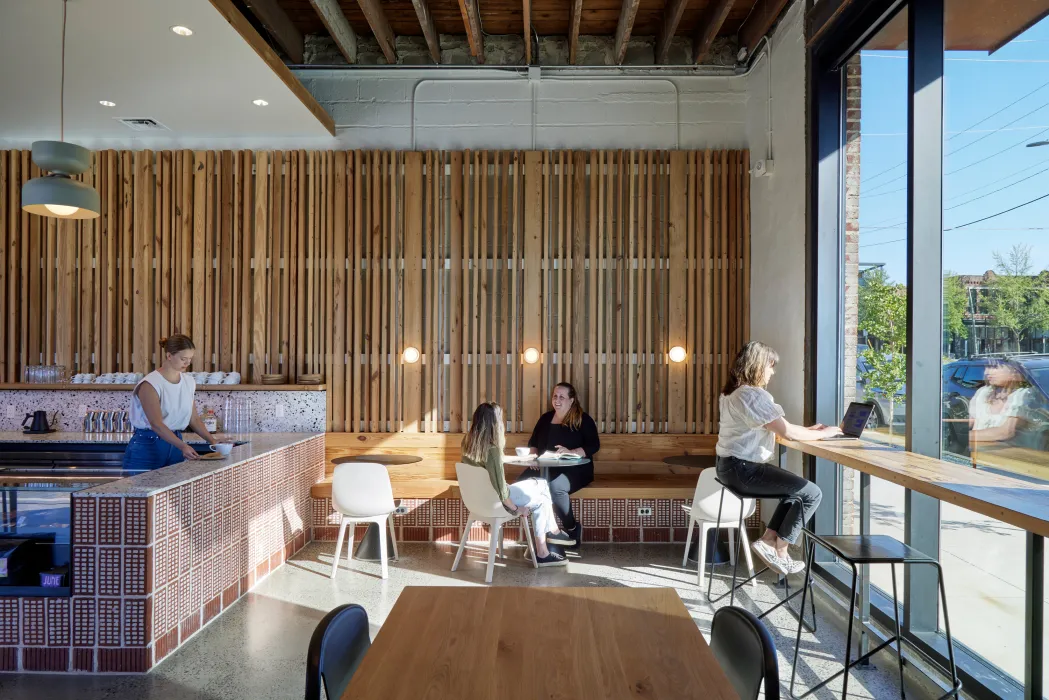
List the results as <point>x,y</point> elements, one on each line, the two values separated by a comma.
<point>259,103</point>
<point>182,31</point>
<point>107,103</point>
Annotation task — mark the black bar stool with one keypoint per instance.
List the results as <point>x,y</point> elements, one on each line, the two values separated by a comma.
<point>731,592</point>
<point>874,549</point>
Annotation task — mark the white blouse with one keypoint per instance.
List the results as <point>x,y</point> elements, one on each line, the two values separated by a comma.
<point>176,401</point>
<point>742,434</point>
<point>984,417</point>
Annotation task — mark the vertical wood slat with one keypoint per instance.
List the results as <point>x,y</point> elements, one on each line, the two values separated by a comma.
<point>532,317</point>
<point>603,237</point>
<point>413,292</point>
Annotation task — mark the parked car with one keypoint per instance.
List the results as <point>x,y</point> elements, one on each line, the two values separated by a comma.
<point>961,380</point>
<point>880,414</point>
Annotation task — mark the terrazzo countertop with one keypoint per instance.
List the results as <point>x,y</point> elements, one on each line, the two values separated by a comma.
<point>149,483</point>
<point>71,436</point>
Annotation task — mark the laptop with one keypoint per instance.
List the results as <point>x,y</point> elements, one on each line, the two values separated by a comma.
<point>854,422</point>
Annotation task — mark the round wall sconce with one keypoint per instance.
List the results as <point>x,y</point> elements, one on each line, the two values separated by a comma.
<point>411,355</point>
<point>531,356</point>
<point>677,354</point>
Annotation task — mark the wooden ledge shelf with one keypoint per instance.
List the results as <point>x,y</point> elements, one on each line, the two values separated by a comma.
<point>129,387</point>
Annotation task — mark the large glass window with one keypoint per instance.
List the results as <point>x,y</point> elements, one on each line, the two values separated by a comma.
<point>875,267</point>
<point>996,305</point>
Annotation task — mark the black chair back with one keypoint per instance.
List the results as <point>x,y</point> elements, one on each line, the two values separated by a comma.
<point>336,649</point>
<point>745,650</point>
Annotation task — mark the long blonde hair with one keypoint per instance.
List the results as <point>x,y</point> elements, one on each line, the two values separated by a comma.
<point>486,431</point>
<point>750,365</point>
<point>574,417</point>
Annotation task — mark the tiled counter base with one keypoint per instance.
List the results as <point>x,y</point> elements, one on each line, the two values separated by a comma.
<point>150,571</point>
<point>603,520</point>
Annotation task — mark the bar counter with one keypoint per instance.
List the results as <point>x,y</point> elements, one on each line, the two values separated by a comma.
<point>158,555</point>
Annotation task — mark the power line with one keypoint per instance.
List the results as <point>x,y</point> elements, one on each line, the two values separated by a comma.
<point>895,220</point>
<point>972,126</point>
<point>970,223</point>
<point>956,170</point>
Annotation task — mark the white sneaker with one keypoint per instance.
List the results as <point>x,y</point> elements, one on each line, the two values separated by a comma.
<point>793,566</point>
<point>768,555</point>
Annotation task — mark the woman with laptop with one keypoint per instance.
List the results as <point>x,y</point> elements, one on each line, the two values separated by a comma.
<point>750,422</point>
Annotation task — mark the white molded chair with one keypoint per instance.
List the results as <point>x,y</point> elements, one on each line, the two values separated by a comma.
<point>361,493</point>
<point>484,505</point>
<point>704,512</point>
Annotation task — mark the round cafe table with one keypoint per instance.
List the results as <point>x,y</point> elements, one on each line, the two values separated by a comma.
<point>544,465</point>
<point>368,549</point>
<point>699,462</point>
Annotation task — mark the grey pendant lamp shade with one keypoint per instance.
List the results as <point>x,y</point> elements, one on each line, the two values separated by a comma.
<point>58,195</point>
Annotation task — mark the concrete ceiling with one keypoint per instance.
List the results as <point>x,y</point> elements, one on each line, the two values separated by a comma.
<point>200,87</point>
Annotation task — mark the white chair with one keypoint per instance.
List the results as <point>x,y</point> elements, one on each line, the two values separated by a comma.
<point>484,505</point>
<point>704,512</point>
<point>361,493</point>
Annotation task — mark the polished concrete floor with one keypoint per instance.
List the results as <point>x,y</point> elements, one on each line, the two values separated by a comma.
<point>257,650</point>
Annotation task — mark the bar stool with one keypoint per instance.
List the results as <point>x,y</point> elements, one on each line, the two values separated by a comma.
<point>874,549</point>
<point>731,592</point>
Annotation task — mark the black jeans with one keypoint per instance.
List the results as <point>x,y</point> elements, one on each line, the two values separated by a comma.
<point>800,497</point>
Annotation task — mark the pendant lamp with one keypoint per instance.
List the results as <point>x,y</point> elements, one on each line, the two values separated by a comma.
<point>58,195</point>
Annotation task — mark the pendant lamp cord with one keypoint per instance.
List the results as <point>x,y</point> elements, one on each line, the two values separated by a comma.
<point>62,96</point>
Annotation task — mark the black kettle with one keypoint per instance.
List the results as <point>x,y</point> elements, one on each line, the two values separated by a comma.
<point>40,422</point>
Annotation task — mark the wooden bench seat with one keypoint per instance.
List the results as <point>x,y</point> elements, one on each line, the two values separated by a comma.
<point>628,465</point>
<point>603,486</point>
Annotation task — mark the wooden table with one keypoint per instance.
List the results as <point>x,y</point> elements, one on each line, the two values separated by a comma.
<point>528,643</point>
<point>1018,502</point>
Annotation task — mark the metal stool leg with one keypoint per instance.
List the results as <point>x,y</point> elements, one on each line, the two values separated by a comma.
<point>955,683</point>
<point>899,636</point>
<point>717,536</point>
<point>805,591</point>
<point>848,635</point>
<point>735,564</point>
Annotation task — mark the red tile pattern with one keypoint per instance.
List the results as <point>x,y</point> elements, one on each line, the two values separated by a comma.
<point>149,572</point>
<point>58,622</point>
<point>10,621</point>
<point>109,622</point>
<point>34,621</point>
<point>45,659</point>
<point>110,520</point>
<point>109,574</point>
<point>136,521</point>
<point>85,520</point>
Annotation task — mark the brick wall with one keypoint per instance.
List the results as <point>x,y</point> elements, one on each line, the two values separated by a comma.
<point>850,515</point>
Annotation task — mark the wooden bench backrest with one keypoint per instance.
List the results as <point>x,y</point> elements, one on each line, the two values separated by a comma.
<point>620,454</point>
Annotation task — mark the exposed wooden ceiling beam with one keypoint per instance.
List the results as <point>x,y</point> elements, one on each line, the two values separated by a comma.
<point>247,32</point>
<point>764,15</point>
<point>574,19</point>
<point>376,17</point>
<point>626,25</point>
<point>526,11</point>
<point>708,29</point>
<point>671,19</point>
<point>472,24</point>
<point>340,30</point>
<point>278,25</point>
<point>433,41</point>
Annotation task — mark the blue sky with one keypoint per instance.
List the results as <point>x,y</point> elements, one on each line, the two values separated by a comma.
<point>988,168</point>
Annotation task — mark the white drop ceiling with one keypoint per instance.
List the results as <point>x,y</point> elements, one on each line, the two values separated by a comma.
<point>200,87</point>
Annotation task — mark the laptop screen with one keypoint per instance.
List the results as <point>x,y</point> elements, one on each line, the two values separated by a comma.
<point>856,418</point>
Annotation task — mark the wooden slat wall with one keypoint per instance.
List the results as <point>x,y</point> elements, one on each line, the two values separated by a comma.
<point>302,262</point>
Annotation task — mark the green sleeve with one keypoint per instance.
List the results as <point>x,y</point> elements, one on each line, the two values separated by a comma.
<point>494,465</point>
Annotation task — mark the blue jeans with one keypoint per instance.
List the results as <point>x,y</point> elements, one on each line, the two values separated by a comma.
<point>147,450</point>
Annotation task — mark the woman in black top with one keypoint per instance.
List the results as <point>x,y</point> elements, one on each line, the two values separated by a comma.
<point>566,429</point>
